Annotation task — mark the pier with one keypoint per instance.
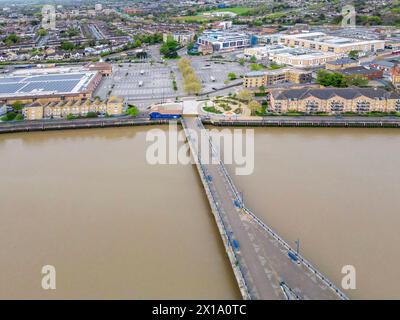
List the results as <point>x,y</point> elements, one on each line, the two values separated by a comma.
<point>44,125</point>
<point>265,266</point>
<point>308,121</point>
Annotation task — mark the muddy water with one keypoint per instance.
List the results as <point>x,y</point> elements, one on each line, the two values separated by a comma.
<point>113,226</point>
<point>337,190</point>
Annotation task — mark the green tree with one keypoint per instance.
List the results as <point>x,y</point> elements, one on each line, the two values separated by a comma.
<point>354,54</point>
<point>42,32</point>
<point>11,39</point>
<point>67,46</point>
<point>17,106</point>
<point>232,76</point>
<point>253,59</point>
<point>327,79</point>
<point>91,114</point>
<point>132,111</point>
<point>169,48</point>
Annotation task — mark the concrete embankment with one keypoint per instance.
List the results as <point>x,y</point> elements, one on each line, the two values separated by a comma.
<point>26,126</point>
<point>350,122</point>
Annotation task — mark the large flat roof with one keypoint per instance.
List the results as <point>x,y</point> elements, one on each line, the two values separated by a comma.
<point>322,38</point>
<point>44,84</point>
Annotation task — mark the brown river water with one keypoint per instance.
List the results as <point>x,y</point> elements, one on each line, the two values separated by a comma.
<point>114,226</point>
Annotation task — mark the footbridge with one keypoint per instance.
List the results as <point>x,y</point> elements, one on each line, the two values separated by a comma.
<point>265,266</point>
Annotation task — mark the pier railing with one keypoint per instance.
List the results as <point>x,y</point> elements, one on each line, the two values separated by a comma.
<point>240,270</point>
<point>264,226</point>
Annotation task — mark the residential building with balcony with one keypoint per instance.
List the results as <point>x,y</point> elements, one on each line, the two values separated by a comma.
<point>335,100</point>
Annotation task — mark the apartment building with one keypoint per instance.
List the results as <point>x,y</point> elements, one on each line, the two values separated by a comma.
<point>257,79</point>
<point>183,38</point>
<point>335,100</point>
<point>114,106</point>
<point>326,43</point>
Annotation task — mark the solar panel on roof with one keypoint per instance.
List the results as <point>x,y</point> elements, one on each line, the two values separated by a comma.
<point>60,83</point>
<point>10,87</point>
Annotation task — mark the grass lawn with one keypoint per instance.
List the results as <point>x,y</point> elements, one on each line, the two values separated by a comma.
<point>238,10</point>
<point>198,19</point>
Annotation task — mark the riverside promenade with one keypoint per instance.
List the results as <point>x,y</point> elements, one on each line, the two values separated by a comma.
<point>44,125</point>
<point>307,121</point>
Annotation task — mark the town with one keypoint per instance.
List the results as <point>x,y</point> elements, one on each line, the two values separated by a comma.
<point>291,58</point>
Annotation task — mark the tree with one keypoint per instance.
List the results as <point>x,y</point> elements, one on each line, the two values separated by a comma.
<point>256,67</point>
<point>17,106</point>
<point>242,61</point>
<point>354,54</point>
<point>42,32</point>
<point>190,46</point>
<point>232,76</point>
<point>192,87</point>
<point>254,106</point>
<point>245,95</point>
<point>169,48</point>
<point>11,39</point>
<point>334,79</point>
<point>91,114</point>
<point>262,89</point>
<point>132,111</point>
<point>253,59</point>
<point>72,32</point>
<point>67,46</point>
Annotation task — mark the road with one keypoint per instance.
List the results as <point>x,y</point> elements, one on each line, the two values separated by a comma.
<point>264,261</point>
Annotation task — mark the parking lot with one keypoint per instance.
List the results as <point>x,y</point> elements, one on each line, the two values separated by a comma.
<point>139,82</point>
<point>213,74</point>
<point>143,84</point>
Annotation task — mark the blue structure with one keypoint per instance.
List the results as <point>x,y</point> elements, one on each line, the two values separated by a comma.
<point>158,115</point>
<point>293,256</point>
<point>253,41</point>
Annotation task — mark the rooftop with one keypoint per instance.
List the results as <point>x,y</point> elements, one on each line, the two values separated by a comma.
<point>44,84</point>
<point>327,93</point>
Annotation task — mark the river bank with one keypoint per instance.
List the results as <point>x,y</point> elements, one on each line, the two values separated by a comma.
<point>308,121</point>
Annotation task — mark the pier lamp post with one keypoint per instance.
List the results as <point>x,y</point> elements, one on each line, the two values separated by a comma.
<point>297,242</point>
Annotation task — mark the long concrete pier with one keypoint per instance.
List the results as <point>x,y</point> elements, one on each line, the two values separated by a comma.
<point>44,125</point>
<point>265,266</point>
<point>308,121</point>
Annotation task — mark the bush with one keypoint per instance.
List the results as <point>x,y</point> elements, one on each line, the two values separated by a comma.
<point>9,116</point>
<point>212,110</point>
<point>232,76</point>
<point>91,114</point>
<point>19,117</point>
<point>132,111</point>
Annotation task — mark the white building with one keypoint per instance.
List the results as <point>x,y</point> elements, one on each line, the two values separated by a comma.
<point>223,41</point>
<point>326,43</point>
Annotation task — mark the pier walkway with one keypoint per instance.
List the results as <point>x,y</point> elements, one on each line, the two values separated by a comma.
<point>264,265</point>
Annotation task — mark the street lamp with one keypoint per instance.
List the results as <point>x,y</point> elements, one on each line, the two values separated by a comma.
<point>297,246</point>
